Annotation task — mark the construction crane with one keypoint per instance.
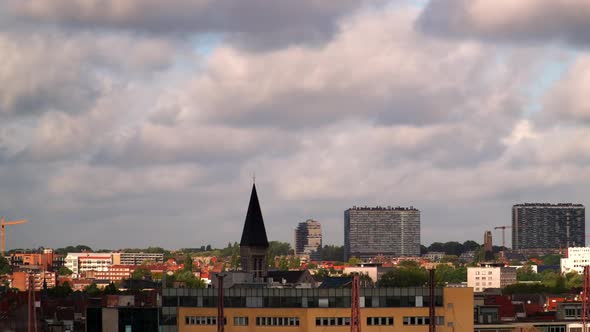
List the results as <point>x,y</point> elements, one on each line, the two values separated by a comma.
<point>503,228</point>
<point>3,224</point>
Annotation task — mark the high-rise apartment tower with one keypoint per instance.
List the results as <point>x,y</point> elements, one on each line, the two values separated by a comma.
<point>308,238</point>
<point>388,231</point>
<point>548,226</point>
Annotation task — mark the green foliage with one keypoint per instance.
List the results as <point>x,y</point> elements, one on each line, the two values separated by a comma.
<point>331,253</point>
<point>294,262</point>
<point>454,247</point>
<point>141,273</point>
<point>188,263</point>
<point>283,264</point>
<point>574,280</point>
<point>353,261</point>
<point>448,274</point>
<point>536,288</point>
<point>4,265</point>
<point>406,276</point>
<point>275,249</point>
<point>64,271</point>
<point>68,249</point>
<point>111,289</point>
<point>60,291</point>
<point>322,273</point>
<point>188,278</point>
<point>312,266</point>
<point>526,273</point>
<point>454,259</point>
<point>552,259</point>
<point>92,290</point>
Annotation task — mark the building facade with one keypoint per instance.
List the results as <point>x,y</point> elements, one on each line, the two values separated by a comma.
<point>309,310</point>
<point>577,258</point>
<point>548,226</point>
<point>387,231</point>
<point>484,277</point>
<point>308,239</point>
<point>88,261</point>
<point>137,258</point>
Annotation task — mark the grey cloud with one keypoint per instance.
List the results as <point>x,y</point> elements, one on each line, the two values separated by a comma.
<point>252,24</point>
<point>538,21</point>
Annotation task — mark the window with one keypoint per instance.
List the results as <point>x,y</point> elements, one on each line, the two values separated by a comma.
<point>422,320</point>
<point>379,320</point>
<point>241,321</point>
<point>201,320</point>
<point>332,321</point>
<point>277,321</point>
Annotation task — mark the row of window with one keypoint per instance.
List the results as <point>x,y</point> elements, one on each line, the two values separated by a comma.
<point>423,320</point>
<point>332,321</point>
<point>201,320</point>
<point>320,321</point>
<point>277,321</point>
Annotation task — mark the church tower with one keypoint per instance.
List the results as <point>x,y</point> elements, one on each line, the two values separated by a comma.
<point>254,244</point>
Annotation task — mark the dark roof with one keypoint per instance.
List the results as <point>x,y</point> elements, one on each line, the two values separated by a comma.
<point>291,277</point>
<point>336,282</point>
<point>254,233</point>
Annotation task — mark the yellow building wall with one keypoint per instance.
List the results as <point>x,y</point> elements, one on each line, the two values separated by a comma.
<point>457,310</point>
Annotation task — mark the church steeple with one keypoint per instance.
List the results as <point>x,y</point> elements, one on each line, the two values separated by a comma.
<point>254,243</point>
<point>254,233</point>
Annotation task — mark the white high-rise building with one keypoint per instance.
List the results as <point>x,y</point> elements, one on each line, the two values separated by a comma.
<point>577,258</point>
<point>88,261</point>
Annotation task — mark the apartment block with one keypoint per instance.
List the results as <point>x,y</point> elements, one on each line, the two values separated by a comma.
<point>387,231</point>
<point>136,258</point>
<point>548,226</point>
<point>308,239</point>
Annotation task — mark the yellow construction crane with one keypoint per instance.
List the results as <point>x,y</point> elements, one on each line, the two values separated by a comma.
<point>3,224</point>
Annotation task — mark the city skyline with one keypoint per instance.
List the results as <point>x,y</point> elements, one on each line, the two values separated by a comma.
<point>141,124</point>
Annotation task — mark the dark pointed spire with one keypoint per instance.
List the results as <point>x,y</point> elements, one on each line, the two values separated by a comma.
<point>254,233</point>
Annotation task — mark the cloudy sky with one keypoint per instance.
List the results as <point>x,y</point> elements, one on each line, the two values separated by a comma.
<point>135,123</point>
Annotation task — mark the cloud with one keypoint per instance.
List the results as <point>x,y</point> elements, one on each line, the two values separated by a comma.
<point>539,21</point>
<point>53,71</point>
<point>567,99</point>
<point>252,24</point>
<point>376,68</point>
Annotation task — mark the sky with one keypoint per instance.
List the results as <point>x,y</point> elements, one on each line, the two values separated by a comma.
<point>136,123</point>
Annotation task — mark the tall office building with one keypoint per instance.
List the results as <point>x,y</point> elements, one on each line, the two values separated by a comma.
<point>308,238</point>
<point>372,231</point>
<point>548,226</point>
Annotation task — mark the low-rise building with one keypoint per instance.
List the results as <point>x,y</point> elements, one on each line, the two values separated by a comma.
<point>577,259</point>
<point>490,276</point>
<point>39,278</point>
<point>314,309</point>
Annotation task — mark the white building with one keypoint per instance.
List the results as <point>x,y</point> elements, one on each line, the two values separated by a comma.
<point>88,261</point>
<point>577,258</point>
<point>484,277</point>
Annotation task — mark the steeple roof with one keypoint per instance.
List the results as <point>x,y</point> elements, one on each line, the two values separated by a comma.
<point>254,233</point>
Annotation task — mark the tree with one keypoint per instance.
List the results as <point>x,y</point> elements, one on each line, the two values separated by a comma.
<point>64,271</point>
<point>526,273</point>
<point>189,279</point>
<point>448,274</point>
<point>294,262</point>
<point>283,264</point>
<point>4,266</point>
<point>60,291</point>
<point>404,277</point>
<point>470,245</point>
<point>276,248</point>
<point>111,289</point>
<point>331,253</point>
<point>552,259</point>
<point>141,273</point>
<point>354,261</point>
<point>92,290</point>
<point>312,266</point>
<point>188,263</point>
